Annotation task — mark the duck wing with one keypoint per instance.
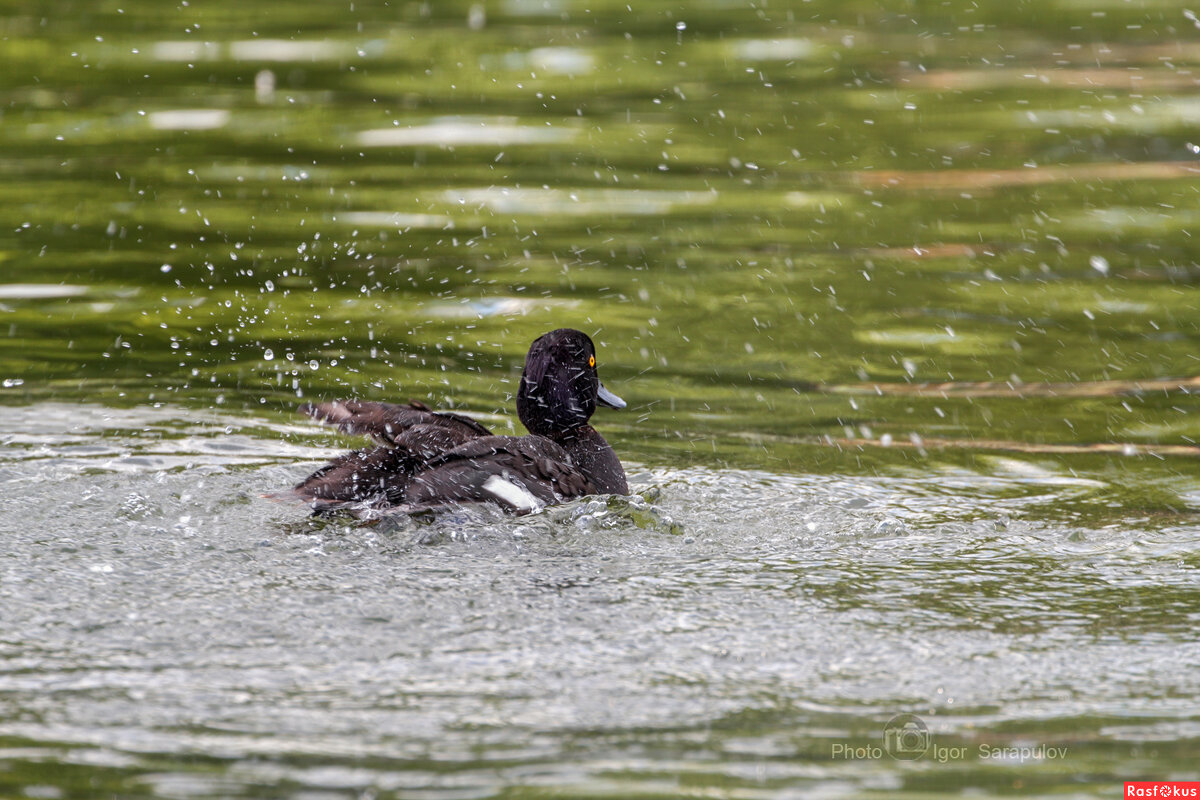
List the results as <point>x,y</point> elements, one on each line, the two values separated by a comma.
<point>383,422</point>
<point>520,473</point>
<point>410,437</point>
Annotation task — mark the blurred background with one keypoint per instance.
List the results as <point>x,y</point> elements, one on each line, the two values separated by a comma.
<point>902,296</point>
<point>773,220</point>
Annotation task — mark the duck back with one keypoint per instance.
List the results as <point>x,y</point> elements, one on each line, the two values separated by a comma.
<point>411,437</point>
<point>383,422</point>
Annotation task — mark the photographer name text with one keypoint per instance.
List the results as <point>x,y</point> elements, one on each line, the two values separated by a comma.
<point>943,754</point>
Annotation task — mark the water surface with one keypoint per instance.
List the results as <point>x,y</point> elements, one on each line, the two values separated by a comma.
<point>902,297</point>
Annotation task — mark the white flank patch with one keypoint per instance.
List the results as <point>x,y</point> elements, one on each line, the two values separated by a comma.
<point>517,496</point>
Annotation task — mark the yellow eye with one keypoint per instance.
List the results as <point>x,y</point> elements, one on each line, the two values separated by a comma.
<point>591,361</point>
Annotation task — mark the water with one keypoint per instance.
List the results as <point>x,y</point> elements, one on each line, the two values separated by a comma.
<point>727,631</point>
<point>901,297</point>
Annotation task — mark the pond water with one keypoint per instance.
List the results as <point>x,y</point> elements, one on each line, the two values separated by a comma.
<point>902,297</point>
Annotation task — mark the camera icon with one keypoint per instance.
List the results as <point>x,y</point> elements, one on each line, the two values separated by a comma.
<point>906,737</point>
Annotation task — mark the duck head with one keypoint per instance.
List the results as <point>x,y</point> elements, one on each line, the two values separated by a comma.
<point>560,387</point>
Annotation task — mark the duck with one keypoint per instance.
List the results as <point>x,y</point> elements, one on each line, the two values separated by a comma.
<point>427,460</point>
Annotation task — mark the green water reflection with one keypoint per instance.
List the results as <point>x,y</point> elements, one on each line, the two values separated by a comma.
<point>777,220</point>
<point>849,200</point>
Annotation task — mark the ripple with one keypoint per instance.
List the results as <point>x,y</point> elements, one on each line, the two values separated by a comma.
<point>775,49</point>
<point>479,308</point>
<point>392,219</point>
<point>198,119</point>
<point>575,202</point>
<point>558,60</point>
<point>288,50</point>
<point>40,291</point>
<point>466,131</point>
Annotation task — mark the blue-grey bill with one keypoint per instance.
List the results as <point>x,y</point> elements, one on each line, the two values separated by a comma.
<point>609,399</point>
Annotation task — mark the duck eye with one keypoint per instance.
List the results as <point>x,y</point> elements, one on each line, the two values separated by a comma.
<point>591,361</point>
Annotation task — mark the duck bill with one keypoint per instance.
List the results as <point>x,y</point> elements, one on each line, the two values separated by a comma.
<point>607,398</point>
